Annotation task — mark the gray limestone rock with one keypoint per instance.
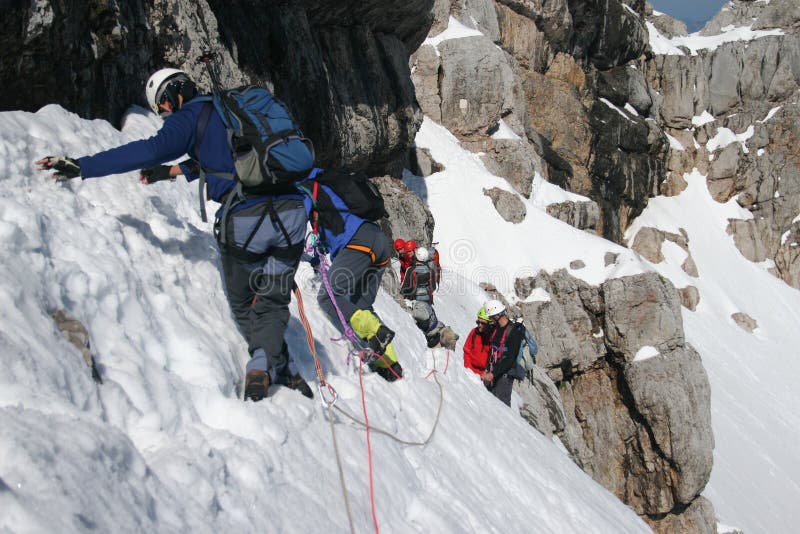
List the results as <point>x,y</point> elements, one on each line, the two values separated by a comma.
<point>522,39</point>
<point>566,327</point>
<point>581,215</point>
<point>507,204</point>
<point>647,244</point>
<point>745,322</point>
<point>642,310</point>
<point>478,14</point>
<point>425,64</point>
<point>476,84</point>
<point>409,217</point>
<point>541,403</point>
<point>668,26</point>
<point>690,297</point>
<point>671,392</point>
<point>697,518</point>
<point>422,163</point>
<point>747,239</point>
<point>513,159</point>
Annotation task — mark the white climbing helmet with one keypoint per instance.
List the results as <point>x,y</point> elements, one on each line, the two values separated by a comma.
<point>153,90</point>
<point>494,308</point>
<point>422,254</point>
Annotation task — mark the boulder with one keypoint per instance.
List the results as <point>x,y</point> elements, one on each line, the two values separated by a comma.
<point>513,159</point>
<point>747,239</point>
<point>647,244</point>
<point>507,204</point>
<point>671,392</point>
<point>745,322</point>
<point>541,403</point>
<point>641,310</point>
<point>476,85</point>
<point>409,217</point>
<point>690,297</point>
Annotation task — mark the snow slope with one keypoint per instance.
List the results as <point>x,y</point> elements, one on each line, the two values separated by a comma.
<point>165,444</point>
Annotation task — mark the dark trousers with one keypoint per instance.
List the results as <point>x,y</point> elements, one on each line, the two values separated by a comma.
<point>502,388</point>
<point>354,277</point>
<point>259,290</point>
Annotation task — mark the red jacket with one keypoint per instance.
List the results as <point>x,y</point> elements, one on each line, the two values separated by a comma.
<point>476,351</point>
<point>406,261</point>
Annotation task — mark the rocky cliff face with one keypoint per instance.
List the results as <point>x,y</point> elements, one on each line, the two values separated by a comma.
<point>341,66</point>
<point>559,74</point>
<point>747,142</point>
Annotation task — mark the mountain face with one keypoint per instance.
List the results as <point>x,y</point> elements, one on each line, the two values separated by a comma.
<point>747,145</point>
<point>573,91</point>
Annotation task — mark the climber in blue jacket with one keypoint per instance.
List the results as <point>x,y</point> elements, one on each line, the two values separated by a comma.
<point>259,254</point>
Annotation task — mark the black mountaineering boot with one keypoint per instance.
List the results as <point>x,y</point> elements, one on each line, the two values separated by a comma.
<point>256,384</point>
<point>390,374</point>
<point>381,340</point>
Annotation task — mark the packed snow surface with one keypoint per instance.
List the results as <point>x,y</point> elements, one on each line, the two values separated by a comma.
<point>165,444</point>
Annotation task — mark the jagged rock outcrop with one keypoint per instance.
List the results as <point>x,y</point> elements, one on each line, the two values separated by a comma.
<point>341,66</point>
<point>409,217</point>
<point>582,215</point>
<point>648,242</point>
<point>639,425</point>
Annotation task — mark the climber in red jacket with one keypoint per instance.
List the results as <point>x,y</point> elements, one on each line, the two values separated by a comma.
<point>476,347</point>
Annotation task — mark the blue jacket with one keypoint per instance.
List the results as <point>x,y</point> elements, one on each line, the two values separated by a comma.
<point>332,241</point>
<point>175,138</point>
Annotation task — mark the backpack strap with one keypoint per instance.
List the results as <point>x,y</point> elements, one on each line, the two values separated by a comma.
<point>367,250</point>
<point>200,133</point>
<point>273,215</point>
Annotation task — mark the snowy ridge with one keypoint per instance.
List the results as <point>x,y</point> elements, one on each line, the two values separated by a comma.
<point>696,42</point>
<point>165,444</point>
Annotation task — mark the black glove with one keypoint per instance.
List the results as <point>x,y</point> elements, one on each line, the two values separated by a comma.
<point>66,168</point>
<point>156,174</point>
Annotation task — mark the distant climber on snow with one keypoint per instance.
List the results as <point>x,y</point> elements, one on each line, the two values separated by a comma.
<point>420,282</point>
<point>262,222</point>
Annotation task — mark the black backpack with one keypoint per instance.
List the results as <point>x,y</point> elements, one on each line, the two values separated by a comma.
<point>359,194</point>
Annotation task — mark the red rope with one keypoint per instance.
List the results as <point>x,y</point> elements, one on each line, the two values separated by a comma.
<point>369,447</point>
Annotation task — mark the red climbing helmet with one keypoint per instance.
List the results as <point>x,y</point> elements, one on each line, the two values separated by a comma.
<point>399,244</point>
<point>410,246</point>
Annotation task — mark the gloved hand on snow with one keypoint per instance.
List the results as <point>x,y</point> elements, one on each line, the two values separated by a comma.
<point>66,168</point>
<point>155,174</point>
